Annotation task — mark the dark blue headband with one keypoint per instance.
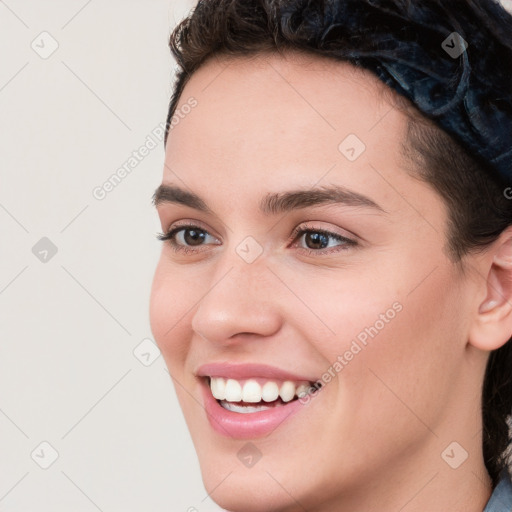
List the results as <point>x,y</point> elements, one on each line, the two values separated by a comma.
<point>454,63</point>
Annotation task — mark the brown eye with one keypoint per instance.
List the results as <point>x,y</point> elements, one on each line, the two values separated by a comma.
<point>316,240</point>
<point>185,238</point>
<point>320,241</point>
<point>192,236</point>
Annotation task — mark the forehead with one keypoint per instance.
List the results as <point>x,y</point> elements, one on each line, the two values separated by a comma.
<point>274,118</point>
<point>271,123</point>
<point>311,86</point>
<point>289,104</point>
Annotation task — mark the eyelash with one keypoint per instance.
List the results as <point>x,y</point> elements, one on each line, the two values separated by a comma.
<point>169,236</point>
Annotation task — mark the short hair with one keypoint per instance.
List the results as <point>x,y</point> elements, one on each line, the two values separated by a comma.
<point>478,210</point>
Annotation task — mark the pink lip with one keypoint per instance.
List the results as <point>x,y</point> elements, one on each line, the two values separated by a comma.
<point>252,425</point>
<point>247,370</point>
<point>245,426</point>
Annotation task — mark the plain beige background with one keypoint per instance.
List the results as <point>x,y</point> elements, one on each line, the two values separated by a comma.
<point>71,321</point>
<point>88,416</point>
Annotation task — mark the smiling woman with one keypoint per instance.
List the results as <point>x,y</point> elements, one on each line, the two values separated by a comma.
<point>341,178</point>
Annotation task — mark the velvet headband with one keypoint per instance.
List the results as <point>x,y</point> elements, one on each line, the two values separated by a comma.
<point>453,62</point>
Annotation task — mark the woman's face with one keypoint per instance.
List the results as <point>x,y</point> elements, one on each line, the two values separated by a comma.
<point>379,315</point>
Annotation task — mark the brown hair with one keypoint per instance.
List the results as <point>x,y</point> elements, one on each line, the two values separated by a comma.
<point>478,208</point>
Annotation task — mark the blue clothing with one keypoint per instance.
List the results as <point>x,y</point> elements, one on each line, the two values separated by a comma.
<point>501,498</point>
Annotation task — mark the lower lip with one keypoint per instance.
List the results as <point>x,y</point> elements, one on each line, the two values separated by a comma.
<point>245,426</point>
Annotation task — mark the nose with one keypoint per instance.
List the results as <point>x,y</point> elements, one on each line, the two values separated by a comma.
<point>240,302</point>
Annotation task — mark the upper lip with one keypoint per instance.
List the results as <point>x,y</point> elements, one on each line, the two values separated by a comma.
<point>248,370</point>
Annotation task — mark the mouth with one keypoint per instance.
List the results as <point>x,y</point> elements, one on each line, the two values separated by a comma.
<point>255,394</point>
<point>247,408</point>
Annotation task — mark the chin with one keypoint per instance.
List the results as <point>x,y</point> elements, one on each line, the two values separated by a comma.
<point>249,491</point>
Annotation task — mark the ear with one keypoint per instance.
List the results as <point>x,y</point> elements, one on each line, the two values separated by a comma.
<point>492,326</point>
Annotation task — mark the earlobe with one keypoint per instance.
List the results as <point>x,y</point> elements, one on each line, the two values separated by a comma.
<point>492,326</point>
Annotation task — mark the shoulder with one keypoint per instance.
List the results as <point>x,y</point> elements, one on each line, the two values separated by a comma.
<point>501,498</point>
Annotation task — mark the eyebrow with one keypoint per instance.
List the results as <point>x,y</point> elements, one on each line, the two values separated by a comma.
<point>273,203</point>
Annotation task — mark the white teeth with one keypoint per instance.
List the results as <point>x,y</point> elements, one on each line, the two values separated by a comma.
<point>270,391</point>
<point>251,391</point>
<point>233,391</point>
<point>218,387</point>
<point>287,391</point>
<point>244,409</point>
<point>302,390</point>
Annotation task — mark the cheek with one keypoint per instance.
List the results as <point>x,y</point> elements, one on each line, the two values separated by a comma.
<point>401,348</point>
<point>390,323</point>
<point>169,303</point>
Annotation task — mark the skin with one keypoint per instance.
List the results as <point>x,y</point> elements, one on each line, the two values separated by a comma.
<point>372,439</point>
